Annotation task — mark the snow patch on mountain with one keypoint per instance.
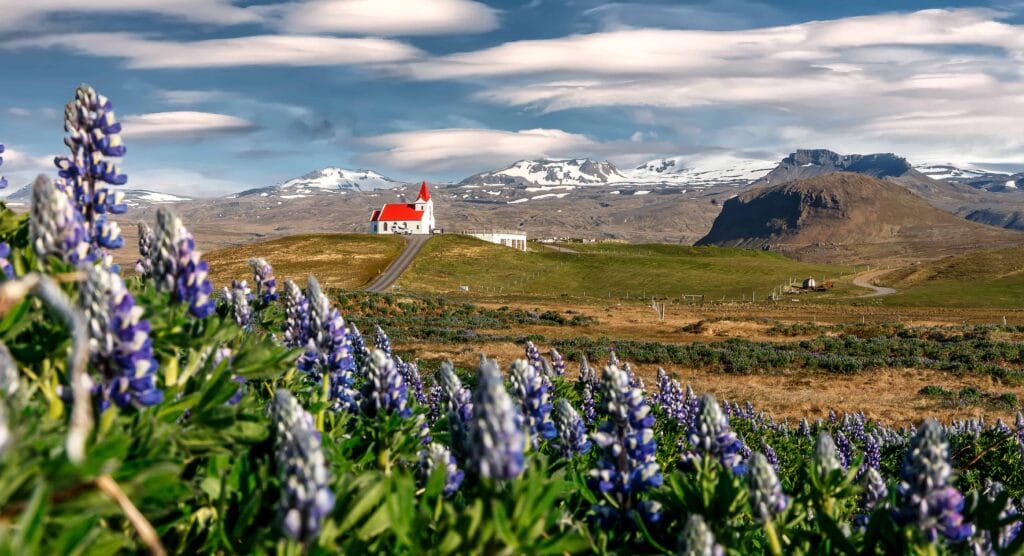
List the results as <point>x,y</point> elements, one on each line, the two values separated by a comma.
<point>576,171</point>
<point>701,171</point>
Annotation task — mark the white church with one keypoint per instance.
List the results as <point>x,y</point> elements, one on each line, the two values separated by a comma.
<point>406,218</point>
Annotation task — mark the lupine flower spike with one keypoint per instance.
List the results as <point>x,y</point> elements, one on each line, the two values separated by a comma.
<point>296,315</point>
<point>382,342</point>
<point>698,540</point>
<point>178,267</point>
<point>55,226</point>
<point>385,390</point>
<point>496,441</point>
<point>826,456</point>
<point>530,388</point>
<point>327,348</point>
<point>237,298</point>
<point>147,247</point>
<point>306,498</point>
<point>263,280</point>
<point>121,350</point>
<point>627,466</point>
<point>436,456</point>
<point>927,499</point>
<point>572,433</point>
<point>711,436</point>
<point>766,495</point>
<point>94,140</point>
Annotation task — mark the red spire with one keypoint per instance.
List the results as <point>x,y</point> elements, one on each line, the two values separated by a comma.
<point>424,193</point>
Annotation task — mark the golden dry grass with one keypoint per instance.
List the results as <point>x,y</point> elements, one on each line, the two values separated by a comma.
<point>888,395</point>
<point>337,260</point>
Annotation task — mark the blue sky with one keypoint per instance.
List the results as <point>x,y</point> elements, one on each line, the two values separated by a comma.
<point>218,96</point>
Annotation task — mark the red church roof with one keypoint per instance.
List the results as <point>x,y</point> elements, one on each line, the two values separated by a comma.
<point>395,212</point>
<point>424,193</point>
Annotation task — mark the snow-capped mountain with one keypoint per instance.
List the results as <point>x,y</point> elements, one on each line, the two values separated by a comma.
<point>701,171</point>
<point>132,197</point>
<point>577,171</point>
<point>974,177</point>
<point>328,180</point>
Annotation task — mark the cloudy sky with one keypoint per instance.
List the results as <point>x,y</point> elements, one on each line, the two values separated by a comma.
<point>221,95</point>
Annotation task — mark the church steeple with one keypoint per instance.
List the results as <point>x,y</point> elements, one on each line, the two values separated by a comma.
<point>424,193</point>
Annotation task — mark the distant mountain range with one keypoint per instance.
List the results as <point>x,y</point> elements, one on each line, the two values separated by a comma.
<point>132,197</point>
<point>328,180</point>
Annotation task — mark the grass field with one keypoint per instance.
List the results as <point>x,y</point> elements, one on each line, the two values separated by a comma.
<point>993,279</point>
<point>615,270</point>
<point>338,261</point>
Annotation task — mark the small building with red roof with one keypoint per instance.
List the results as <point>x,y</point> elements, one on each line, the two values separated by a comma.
<point>406,218</point>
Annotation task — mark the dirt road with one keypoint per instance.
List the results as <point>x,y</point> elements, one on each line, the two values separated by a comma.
<point>399,265</point>
<point>864,279</point>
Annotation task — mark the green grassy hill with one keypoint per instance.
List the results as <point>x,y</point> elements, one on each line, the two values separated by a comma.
<point>607,270</point>
<point>337,260</point>
<point>981,279</point>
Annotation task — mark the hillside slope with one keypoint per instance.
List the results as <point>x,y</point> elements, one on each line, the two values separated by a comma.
<point>845,216</point>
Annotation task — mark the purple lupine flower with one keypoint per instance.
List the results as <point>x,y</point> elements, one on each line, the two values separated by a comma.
<point>147,247</point>
<point>5,262</point>
<point>844,449</point>
<point>712,437</point>
<point>626,438</point>
<point>55,227</point>
<point>385,390</point>
<point>436,456</point>
<point>382,342</point>
<point>121,350</point>
<point>533,355</point>
<point>296,316</point>
<point>530,389</point>
<point>94,140</point>
<point>872,455</point>
<point>263,279</point>
<point>455,401</point>
<point>805,428</point>
<point>826,456</point>
<point>572,433</point>
<point>983,543</point>
<point>327,348</point>
<point>411,376</point>
<point>557,363</point>
<point>770,455</point>
<point>306,498</point>
<point>927,500</point>
<point>875,490</point>
<point>3,180</point>
<point>698,540</point>
<point>496,441</point>
<point>670,397</point>
<point>178,267</point>
<point>587,375</point>
<point>237,298</point>
<point>359,351</point>
<point>589,405</point>
<point>766,497</point>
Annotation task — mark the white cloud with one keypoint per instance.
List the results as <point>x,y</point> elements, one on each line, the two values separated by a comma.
<point>184,97</point>
<point>459,148</point>
<point>184,123</point>
<point>388,17</point>
<point>182,182</point>
<point>690,52</point>
<point>261,50</point>
<point>28,13</point>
